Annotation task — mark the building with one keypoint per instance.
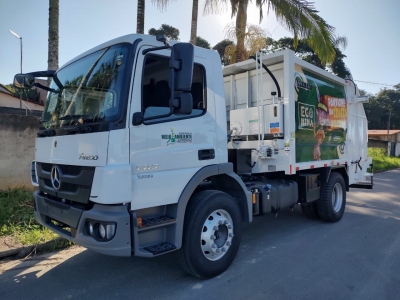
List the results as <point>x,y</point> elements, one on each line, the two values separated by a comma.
<point>383,139</point>
<point>11,105</point>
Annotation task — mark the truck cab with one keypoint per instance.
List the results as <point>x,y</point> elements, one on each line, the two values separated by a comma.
<point>118,187</point>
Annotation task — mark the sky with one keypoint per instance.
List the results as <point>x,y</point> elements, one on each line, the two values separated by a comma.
<point>372,29</point>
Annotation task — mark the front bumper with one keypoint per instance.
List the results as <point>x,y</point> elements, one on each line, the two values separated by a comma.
<point>75,218</point>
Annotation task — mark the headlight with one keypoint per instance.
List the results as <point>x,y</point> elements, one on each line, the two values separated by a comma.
<point>100,231</point>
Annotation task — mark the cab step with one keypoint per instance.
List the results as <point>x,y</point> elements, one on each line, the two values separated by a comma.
<point>160,248</point>
<point>156,222</point>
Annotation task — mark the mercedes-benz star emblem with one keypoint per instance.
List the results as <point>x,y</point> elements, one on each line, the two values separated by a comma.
<point>55,177</point>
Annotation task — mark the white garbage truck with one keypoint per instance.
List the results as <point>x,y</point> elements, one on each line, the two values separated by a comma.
<point>147,147</point>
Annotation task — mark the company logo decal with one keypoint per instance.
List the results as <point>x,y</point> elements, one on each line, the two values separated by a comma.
<point>300,83</point>
<point>55,177</point>
<point>177,138</point>
<point>306,116</point>
<point>88,157</point>
<point>144,176</point>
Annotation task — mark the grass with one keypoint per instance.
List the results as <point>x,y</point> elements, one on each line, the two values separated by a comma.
<point>17,221</point>
<point>382,161</point>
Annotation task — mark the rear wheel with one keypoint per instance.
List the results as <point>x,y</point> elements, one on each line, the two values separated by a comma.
<point>211,234</point>
<point>332,203</point>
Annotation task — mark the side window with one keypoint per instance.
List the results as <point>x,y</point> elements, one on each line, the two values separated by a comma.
<point>156,92</point>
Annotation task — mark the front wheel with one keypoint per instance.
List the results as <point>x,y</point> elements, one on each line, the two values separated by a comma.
<point>211,234</point>
<point>332,203</point>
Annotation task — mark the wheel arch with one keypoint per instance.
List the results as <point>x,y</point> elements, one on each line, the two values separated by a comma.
<point>342,171</point>
<point>223,179</point>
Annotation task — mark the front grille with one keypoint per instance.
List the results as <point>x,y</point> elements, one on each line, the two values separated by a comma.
<point>65,169</point>
<point>69,187</point>
<point>47,181</point>
<point>71,170</point>
<point>76,181</point>
<point>46,167</point>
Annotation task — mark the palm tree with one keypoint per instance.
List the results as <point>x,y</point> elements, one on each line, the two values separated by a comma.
<point>193,29</point>
<point>140,16</point>
<point>52,59</point>
<point>297,16</point>
<point>255,39</point>
<point>161,4</point>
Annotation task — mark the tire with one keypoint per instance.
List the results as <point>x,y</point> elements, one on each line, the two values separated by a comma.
<point>310,210</point>
<point>211,234</point>
<point>332,203</point>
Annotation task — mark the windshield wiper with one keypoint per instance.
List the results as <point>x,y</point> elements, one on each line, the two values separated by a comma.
<point>78,129</point>
<point>46,132</point>
<point>75,117</point>
<point>85,118</point>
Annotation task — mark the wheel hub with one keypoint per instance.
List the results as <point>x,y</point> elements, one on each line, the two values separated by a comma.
<point>217,235</point>
<point>337,197</point>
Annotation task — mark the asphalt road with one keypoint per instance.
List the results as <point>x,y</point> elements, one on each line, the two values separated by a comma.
<point>288,257</point>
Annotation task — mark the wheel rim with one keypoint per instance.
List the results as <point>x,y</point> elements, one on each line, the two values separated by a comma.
<point>217,234</point>
<point>337,197</point>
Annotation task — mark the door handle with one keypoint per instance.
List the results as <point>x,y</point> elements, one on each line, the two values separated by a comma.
<point>206,154</point>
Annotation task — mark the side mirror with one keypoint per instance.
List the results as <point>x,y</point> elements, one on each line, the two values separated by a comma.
<point>137,118</point>
<point>24,81</point>
<point>182,58</point>
<point>182,104</point>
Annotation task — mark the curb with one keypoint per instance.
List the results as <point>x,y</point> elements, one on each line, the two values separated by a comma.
<point>22,252</point>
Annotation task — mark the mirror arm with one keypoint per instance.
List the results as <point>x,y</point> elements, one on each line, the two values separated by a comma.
<point>58,83</point>
<point>47,73</point>
<point>37,84</point>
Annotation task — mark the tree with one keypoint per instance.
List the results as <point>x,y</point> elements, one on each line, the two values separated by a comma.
<point>384,105</point>
<point>161,4</point>
<point>52,60</point>
<point>193,28</point>
<point>338,66</point>
<point>220,47</point>
<point>31,95</point>
<point>305,52</point>
<point>140,16</point>
<point>202,43</point>
<point>255,39</point>
<point>297,16</point>
<point>169,31</point>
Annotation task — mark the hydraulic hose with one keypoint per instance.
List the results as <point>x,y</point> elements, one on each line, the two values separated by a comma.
<point>270,74</point>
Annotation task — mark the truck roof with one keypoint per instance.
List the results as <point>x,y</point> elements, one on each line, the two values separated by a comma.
<point>131,38</point>
<point>250,64</point>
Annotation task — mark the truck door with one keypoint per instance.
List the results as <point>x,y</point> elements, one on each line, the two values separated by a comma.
<point>357,140</point>
<point>164,153</point>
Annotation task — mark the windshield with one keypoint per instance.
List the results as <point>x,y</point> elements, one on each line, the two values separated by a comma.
<point>88,90</point>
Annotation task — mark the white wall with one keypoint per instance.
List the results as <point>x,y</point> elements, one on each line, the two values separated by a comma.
<point>10,101</point>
